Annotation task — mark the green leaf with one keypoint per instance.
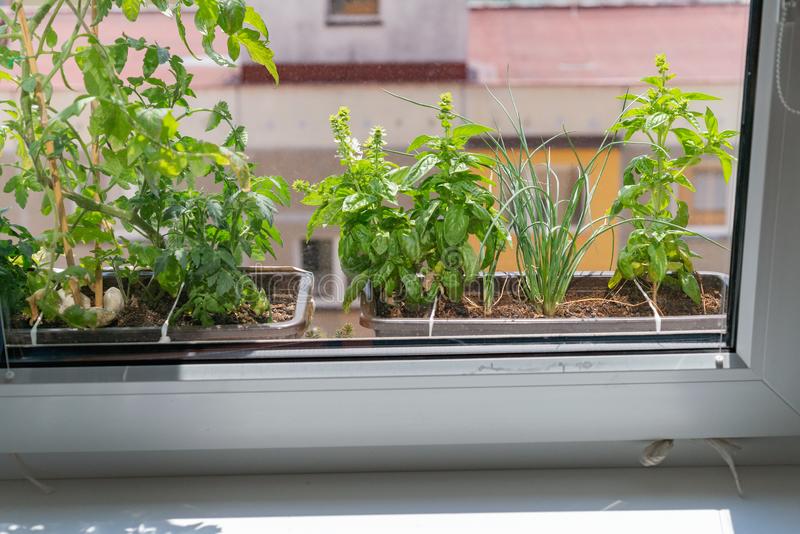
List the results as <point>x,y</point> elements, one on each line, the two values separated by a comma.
<point>453,283</point>
<point>252,18</point>
<point>206,16</point>
<point>409,244</point>
<point>418,142</point>
<point>103,7</point>
<point>699,96</point>
<point>455,225</point>
<point>150,61</point>
<point>208,40</point>
<point>354,290</point>
<point>74,109</point>
<point>354,202</point>
<point>726,161</point>
<point>258,51</point>
<point>182,29</point>
<point>412,286</point>
<point>28,84</point>
<point>690,286</point>
<point>467,131</point>
<point>231,15</point>
<point>658,262</point>
<point>95,77</point>
<point>112,121</point>
<point>237,138</point>
<point>380,244</point>
<point>469,261</point>
<point>682,217</point>
<point>119,53</point>
<point>684,181</point>
<point>234,49</point>
<point>151,121</point>
<point>130,8</point>
<point>418,170</point>
<point>655,120</point>
<point>712,125</point>
<point>50,37</point>
<point>219,112</point>
<point>690,140</point>
<point>76,316</point>
<point>224,283</point>
<point>625,265</point>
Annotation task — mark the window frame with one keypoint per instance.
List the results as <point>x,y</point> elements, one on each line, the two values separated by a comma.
<point>386,401</point>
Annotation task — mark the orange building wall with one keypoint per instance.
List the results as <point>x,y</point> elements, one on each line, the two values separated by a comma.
<point>601,255</point>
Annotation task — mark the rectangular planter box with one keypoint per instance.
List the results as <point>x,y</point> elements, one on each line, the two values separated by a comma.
<point>405,327</point>
<point>275,280</point>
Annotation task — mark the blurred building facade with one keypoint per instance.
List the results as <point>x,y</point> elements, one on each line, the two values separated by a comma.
<point>564,60</point>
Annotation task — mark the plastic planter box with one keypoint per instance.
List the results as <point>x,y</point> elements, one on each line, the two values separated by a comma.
<point>405,327</point>
<point>275,280</point>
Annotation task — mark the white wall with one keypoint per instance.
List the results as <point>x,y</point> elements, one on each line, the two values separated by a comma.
<point>300,34</point>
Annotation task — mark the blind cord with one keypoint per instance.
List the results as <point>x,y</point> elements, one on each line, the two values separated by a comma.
<point>9,372</point>
<point>778,54</point>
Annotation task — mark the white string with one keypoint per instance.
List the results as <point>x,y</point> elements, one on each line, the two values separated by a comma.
<point>164,327</point>
<point>430,318</point>
<point>656,315</point>
<point>657,451</point>
<point>26,472</point>
<point>723,447</point>
<point>778,67</point>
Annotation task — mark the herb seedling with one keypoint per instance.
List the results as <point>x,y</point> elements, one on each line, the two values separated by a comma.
<point>378,244</point>
<point>553,227</point>
<point>655,249</point>
<point>452,203</point>
<point>133,168</point>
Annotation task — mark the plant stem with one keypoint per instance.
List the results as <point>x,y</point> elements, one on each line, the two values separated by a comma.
<point>98,268</point>
<point>61,211</point>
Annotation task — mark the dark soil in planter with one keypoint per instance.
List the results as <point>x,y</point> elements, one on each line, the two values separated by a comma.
<point>586,297</point>
<point>139,312</point>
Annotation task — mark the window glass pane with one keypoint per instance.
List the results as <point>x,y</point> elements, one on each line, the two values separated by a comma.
<point>354,7</point>
<point>464,170</point>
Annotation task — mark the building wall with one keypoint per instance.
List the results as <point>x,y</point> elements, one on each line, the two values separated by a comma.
<point>300,32</point>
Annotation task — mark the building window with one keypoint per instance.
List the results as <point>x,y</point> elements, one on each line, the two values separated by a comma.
<point>319,257</point>
<point>353,12</point>
<point>708,205</point>
<point>354,7</point>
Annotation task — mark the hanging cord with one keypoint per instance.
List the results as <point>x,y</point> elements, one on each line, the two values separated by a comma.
<point>9,372</point>
<point>778,55</point>
<point>26,472</point>
<point>657,452</point>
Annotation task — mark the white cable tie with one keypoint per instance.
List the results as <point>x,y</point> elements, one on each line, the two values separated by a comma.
<point>26,472</point>
<point>433,313</point>
<point>165,327</point>
<point>656,315</point>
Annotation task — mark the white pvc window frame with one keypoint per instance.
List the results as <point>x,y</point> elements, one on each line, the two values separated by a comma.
<point>754,391</point>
